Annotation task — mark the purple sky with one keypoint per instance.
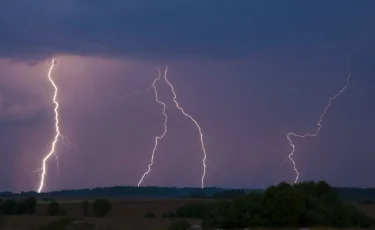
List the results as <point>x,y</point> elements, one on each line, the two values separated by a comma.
<point>248,71</point>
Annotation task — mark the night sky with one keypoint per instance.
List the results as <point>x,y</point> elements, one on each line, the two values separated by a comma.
<point>248,71</point>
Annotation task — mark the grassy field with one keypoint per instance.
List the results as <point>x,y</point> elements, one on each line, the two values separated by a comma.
<point>33,222</point>
<point>369,209</point>
<point>125,208</point>
<point>125,214</point>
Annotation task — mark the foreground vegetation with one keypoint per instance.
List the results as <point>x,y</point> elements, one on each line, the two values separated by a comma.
<point>307,204</point>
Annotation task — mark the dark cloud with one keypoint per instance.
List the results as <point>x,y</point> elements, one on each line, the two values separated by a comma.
<point>145,29</point>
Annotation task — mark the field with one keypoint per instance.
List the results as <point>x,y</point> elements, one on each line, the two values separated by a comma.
<point>369,209</point>
<point>125,214</point>
<point>129,209</point>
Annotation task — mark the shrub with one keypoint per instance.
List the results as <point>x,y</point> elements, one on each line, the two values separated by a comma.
<point>53,208</point>
<point>85,207</point>
<point>9,207</point>
<point>150,215</point>
<point>305,204</point>
<point>30,204</point>
<point>21,208</point>
<point>62,212</point>
<point>101,207</point>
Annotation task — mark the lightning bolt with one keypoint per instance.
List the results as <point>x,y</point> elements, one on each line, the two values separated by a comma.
<point>58,135</point>
<point>319,124</point>
<point>160,137</point>
<point>194,121</point>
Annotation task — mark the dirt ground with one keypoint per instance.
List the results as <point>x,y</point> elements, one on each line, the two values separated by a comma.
<point>125,214</point>
<point>33,222</point>
<point>129,209</point>
<point>369,209</point>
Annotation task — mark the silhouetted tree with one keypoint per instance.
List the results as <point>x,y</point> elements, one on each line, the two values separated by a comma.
<point>101,207</point>
<point>62,212</point>
<point>30,204</point>
<point>85,207</point>
<point>21,208</point>
<point>53,208</point>
<point>9,207</point>
<point>305,204</point>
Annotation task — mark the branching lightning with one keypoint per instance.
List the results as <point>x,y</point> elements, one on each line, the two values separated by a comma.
<point>319,124</point>
<point>160,137</point>
<point>58,135</point>
<point>193,120</point>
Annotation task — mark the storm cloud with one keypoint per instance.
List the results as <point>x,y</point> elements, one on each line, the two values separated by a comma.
<point>179,29</point>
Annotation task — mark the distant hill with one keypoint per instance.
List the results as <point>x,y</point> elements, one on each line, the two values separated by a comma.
<point>137,192</point>
<point>347,194</point>
<point>356,194</point>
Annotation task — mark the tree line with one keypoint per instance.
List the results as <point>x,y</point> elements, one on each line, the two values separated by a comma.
<point>306,204</point>
<point>361,195</point>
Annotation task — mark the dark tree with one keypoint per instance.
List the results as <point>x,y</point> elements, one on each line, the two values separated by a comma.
<point>101,207</point>
<point>9,207</point>
<point>306,204</point>
<point>21,208</point>
<point>53,208</point>
<point>85,207</point>
<point>30,203</point>
<point>62,212</point>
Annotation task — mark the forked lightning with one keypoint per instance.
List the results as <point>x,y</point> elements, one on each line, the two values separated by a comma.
<point>157,138</point>
<point>319,124</point>
<point>58,135</point>
<point>194,121</point>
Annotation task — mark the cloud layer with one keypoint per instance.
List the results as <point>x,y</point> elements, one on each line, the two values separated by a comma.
<point>145,29</point>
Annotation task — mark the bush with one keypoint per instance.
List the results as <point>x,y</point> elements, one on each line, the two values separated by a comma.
<point>85,208</point>
<point>179,225</point>
<point>62,212</point>
<point>30,204</point>
<point>101,207</point>
<point>9,207</point>
<point>53,208</point>
<point>150,215</point>
<point>21,208</point>
<point>305,204</point>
